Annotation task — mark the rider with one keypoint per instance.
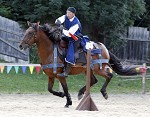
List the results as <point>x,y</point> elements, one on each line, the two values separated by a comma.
<point>72,26</point>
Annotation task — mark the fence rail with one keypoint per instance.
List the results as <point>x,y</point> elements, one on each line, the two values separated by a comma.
<point>10,36</point>
<point>136,50</point>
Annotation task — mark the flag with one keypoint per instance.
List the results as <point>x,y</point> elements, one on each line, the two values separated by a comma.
<point>38,69</point>
<point>8,69</point>
<point>16,69</point>
<point>31,68</point>
<point>2,68</point>
<point>24,69</point>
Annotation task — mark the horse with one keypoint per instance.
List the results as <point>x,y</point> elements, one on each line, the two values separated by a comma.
<point>53,64</point>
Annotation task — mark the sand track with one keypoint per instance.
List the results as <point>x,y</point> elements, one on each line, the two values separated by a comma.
<point>34,105</point>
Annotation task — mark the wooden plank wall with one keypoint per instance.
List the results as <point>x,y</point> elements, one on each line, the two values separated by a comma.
<point>137,47</point>
<point>10,36</point>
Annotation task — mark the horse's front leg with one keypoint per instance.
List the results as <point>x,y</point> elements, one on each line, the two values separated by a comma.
<point>65,88</point>
<point>50,88</point>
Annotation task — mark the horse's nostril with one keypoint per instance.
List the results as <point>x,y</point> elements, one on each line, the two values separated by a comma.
<point>20,46</point>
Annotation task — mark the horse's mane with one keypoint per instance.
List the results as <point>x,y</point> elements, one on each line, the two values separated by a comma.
<point>49,30</point>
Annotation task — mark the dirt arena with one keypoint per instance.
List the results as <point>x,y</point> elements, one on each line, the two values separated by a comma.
<point>34,105</point>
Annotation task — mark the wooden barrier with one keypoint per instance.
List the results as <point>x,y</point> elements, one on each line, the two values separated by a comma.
<point>87,102</point>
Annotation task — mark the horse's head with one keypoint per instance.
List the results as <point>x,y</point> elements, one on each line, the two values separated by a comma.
<point>30,36</point>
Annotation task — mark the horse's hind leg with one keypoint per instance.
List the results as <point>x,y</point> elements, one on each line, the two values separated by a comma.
<point>82,90</point>
<point>50,88</point>
<point>108,77</point>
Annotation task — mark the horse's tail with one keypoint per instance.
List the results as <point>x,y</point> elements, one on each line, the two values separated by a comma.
<point>117,67</point>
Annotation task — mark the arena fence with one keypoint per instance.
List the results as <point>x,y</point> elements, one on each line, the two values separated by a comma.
<point>11,34</point>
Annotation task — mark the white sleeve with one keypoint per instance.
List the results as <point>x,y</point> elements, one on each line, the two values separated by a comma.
<point>66,33</point>
<point>73,29</point>
<point>61,19</point>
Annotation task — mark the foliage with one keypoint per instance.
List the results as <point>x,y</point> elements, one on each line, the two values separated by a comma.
<point>34,58</point>
<point>111,18</point>
<point>102,20</point>
<point>5,10</point>
<point>144,21</point>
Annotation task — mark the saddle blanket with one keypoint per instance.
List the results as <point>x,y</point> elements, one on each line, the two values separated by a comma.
<point>87,44</point>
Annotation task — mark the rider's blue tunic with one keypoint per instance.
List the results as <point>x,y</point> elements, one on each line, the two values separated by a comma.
<point>70,52</point>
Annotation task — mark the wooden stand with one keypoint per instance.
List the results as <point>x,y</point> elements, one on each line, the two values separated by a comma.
<point>87,102</point>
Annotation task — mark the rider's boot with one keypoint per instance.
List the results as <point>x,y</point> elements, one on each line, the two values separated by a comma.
<point>66,70</point>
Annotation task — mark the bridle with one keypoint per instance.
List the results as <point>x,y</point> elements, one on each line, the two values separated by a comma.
<point>30,37</point>
<point>34,33</point>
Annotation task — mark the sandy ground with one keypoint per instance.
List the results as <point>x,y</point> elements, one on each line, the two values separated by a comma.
<point>34,105</point>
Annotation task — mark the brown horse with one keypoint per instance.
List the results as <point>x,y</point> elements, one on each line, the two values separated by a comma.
<point>52,64</point>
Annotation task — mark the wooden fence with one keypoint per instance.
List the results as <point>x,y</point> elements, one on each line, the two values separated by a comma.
<point>137,47</point>
<point>10,36</point>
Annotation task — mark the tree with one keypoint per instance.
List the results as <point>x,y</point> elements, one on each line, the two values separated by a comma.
<point>109,18</point>
<point>102,20</point>
<point>5,10</point>
<point>144,21</point>
<point>106,19</point>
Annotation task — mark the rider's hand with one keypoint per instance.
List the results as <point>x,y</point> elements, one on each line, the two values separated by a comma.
<point>58,23</point>
<point>61,27</point>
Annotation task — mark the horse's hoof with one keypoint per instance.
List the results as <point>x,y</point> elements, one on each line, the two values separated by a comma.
<point>105,95</point>
<point>61,94</point>
<point>66,106</point>
<point>80,96</point>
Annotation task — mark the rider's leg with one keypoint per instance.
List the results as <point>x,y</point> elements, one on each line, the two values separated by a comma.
<point>67,69</point>
<point>69,59</point>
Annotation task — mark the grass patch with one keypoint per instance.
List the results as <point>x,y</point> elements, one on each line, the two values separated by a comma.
<point>37,83</point>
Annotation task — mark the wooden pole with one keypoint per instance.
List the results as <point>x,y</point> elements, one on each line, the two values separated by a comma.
<point>88,79</point>
<point>144,80</point>
<point>87,102</point>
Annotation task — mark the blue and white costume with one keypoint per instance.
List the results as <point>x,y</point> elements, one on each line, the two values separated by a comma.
<point>73,26</point>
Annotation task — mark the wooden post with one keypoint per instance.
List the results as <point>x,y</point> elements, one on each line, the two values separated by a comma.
<point>87,102</point>
<point>144,80</point>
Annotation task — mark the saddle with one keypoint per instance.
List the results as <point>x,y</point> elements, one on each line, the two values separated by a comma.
<point>80,56</point>
<point>80,50</point>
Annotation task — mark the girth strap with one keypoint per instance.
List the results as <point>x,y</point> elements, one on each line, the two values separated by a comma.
<point>55,64</point>
<point>98,61</point>
<point>55,59</point>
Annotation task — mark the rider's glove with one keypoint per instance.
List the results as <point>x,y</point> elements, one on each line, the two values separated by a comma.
<point>58,23</point>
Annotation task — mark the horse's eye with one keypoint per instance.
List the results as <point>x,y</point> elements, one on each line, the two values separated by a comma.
<point>30,33</point>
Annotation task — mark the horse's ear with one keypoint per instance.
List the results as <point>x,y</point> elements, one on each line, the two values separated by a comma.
<point>29,23</point>
<point>38,23</point>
